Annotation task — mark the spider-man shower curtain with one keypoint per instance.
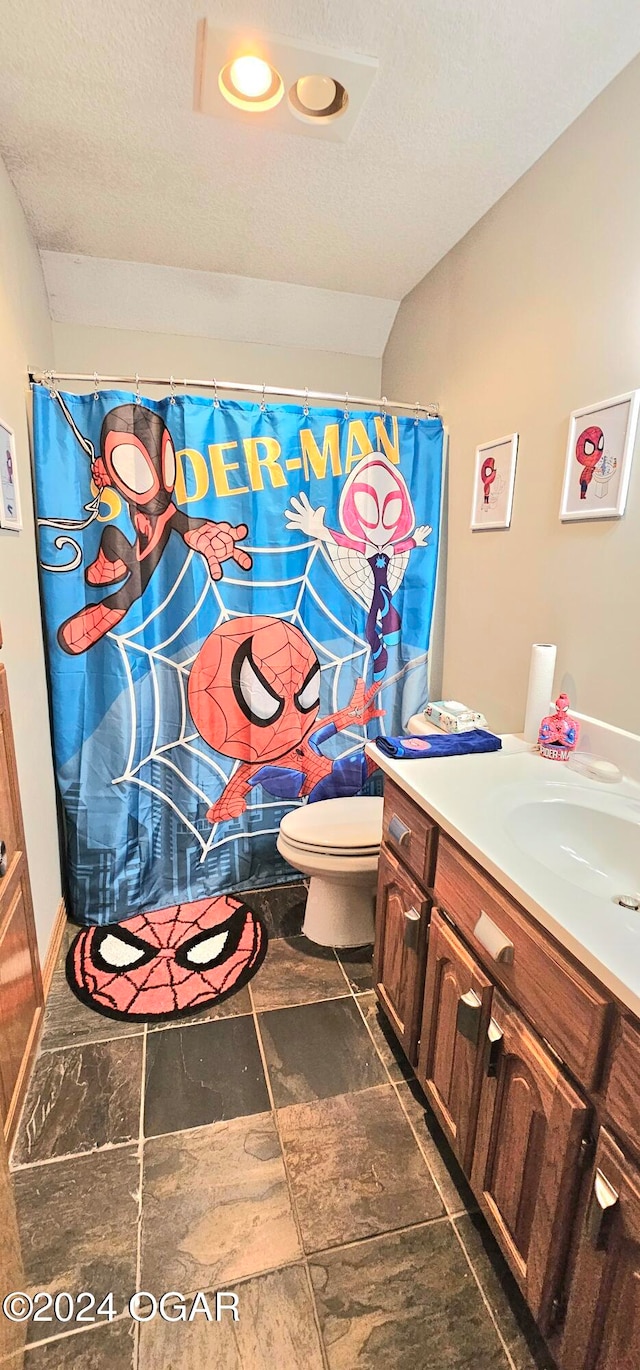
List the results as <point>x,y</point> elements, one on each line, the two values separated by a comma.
<point>235,597</point>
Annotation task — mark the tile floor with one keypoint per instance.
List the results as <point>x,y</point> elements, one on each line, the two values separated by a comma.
<point>277,1148</point>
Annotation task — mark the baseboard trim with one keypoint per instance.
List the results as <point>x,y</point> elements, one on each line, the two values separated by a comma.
<point>55,942</point>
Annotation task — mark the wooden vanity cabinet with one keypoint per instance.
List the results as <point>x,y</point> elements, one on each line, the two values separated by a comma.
<point>402,918</point>
<point>525,1059</point>
<point>457,1006</point>
<point>526,1161</point>
<point>602,1326</point>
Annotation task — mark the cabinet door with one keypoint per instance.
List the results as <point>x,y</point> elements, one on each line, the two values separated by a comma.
<point>602,1328</point>
<point>402,916</point>
<point>526,1165</point>
<point>20,980</point>
<point>457,1004</point>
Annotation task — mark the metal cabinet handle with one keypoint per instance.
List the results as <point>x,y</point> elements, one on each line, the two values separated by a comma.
<point>601,1210</point>
<point>399,830</point>
<point>495,1036</point>
<point>3,858</point>
<point>468,1016</point>
<point>411,927</point>
<point>488,934</point>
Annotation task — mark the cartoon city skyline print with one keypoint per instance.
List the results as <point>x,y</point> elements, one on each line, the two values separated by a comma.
<point>494,480</point>
<point>369,551</point>
<point>598,459</point>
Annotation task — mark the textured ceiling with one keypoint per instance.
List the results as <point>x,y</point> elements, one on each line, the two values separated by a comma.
<point>109,159</point>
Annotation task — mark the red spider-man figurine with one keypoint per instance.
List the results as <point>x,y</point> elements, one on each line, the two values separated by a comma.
<point>137,458</point>
<point>254,694</point>
<point>589,449</point>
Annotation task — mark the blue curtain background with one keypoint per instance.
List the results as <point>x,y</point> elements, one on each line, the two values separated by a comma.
<point>136,779</point>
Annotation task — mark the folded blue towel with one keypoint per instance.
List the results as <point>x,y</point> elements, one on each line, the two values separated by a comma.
<point>438,744</point>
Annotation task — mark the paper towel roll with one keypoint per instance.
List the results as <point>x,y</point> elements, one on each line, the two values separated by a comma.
<point>539,693</point>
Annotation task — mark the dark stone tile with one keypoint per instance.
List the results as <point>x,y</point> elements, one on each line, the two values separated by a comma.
<point>275,1330</point>
<point>216,1206</point>
<point>67,1021</point>
<point>503,1295</point>
<point>202,1074</point>
<point>357,964</point>
<point>317,1050</point>
<point>110,1347</point>
<point>355,1167</point>
<point>383,1035</point>
<point>236,1006</point>
<point>281,906</point>
<point>442,1163</point>
<point>78,1223</point>
<point>81,1099</point>
<point>297,971</point>
<point>406,1300</point>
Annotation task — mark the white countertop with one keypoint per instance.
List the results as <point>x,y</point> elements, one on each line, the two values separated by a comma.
<point>470,797</point>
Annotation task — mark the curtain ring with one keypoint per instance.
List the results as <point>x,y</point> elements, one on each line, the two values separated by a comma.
<point>383,407</point>
<point>216,401</point>
<point>417,416</point>
<point>172,390</point>
<point>263,403</point>
<point>48,380</point>
<point>347,412</point>
<point>137,388</point>
<point>305,409</point>
<point>95,385</point>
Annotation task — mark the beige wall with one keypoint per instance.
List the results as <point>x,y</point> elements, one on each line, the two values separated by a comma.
<point>25,339</point>
<point>121,352</point>
<point>534,313</point>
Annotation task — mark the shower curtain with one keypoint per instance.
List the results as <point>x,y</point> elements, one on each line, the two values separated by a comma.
<point>235,596</point>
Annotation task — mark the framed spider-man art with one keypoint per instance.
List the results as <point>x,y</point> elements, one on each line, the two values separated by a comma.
<point>599,456</point>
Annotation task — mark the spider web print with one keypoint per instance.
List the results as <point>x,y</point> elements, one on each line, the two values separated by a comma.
<point>167,757</point>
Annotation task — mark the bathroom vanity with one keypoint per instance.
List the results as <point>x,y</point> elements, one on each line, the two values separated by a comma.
<point>515,993</point>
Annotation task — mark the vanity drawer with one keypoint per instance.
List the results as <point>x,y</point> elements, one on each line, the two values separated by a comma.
<point>622,1097</point>
<point>557,997</point>
<point>410,833</point>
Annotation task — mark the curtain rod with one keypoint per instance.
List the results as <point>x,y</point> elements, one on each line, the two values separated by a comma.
<point>49,377</point>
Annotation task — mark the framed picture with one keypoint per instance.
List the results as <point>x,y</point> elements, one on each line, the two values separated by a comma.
<point>10,516</point>
<point>493,482</point>
<point>599,456</point>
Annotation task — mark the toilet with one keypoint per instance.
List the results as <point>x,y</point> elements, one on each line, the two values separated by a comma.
<point>337,843</point>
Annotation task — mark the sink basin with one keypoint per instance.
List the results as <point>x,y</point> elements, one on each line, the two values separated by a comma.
<point>590,838</point>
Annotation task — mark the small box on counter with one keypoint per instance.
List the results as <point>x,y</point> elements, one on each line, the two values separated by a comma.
<point>453,717</point>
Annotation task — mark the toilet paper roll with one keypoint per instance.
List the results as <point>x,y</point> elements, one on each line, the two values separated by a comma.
<point>540,690</point>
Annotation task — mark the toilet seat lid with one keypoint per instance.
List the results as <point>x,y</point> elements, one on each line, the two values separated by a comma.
<point>336,825</point>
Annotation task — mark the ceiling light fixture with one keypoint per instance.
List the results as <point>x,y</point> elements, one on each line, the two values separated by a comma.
<point>250,83</point>
<point>318,99</point>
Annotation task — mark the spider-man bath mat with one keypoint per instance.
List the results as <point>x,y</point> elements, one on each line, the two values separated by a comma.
<point>170,963</point>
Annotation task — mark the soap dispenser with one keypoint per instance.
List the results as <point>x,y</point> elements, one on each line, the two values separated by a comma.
<point>559,732</point>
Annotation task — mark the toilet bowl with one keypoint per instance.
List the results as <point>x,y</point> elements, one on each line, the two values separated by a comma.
<point>337,843</point>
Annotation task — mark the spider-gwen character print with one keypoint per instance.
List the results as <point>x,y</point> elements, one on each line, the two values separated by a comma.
<point>169,963</point>
<point>370,550</point>
<point>589,451</point>
<point>137,458</point>
<point>254,695</point>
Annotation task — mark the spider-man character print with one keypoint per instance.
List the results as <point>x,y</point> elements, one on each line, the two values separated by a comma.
<point>254,695</point>
<point>169,963</point>
<point>488,474</point>
<point>137,458</point>
<point>589,450</point>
